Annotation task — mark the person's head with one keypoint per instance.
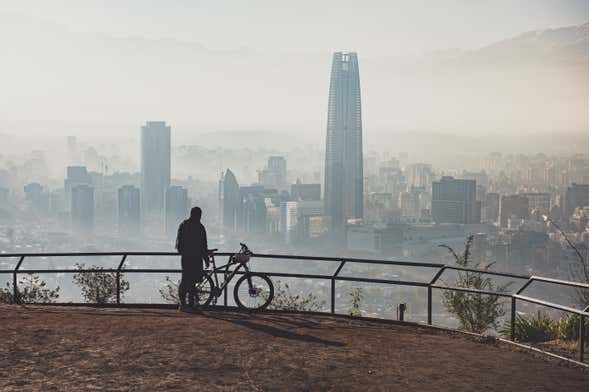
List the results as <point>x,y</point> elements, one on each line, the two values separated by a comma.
<point>195,213</point>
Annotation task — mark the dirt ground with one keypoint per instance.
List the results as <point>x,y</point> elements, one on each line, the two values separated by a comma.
<point>75,349</point>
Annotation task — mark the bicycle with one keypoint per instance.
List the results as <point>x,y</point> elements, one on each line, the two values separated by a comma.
<point>252,291</point>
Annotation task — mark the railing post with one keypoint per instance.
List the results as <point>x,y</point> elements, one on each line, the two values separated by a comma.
<point>582,339</point>
<point>15,293</point>
<point>337,271</point>
<point>429,304</point>
<point>512,324</point>
<point>119,279</point>
<point>332,295</point>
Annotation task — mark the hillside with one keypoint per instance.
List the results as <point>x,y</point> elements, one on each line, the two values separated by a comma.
<point>62,348</point>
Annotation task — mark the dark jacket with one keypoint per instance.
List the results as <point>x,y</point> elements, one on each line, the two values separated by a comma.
<point>192,239</point>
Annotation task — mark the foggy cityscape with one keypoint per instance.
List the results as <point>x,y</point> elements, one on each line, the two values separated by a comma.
<point>391,145</point>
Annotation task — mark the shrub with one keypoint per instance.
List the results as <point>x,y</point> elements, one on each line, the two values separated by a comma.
<point>356,296</point>
<point>476,312</point>
<point>99,287</point>
<point>538,328</point>
<point>31,289</point>
<point>567,328</point>
<point>285,300</point>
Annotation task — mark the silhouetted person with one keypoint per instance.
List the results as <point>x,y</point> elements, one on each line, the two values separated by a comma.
<point>191,243</point>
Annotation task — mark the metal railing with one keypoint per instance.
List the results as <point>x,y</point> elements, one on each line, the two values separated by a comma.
<point>333,278</point>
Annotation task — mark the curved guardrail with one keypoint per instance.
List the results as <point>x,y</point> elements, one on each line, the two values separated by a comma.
<point>333,278</point>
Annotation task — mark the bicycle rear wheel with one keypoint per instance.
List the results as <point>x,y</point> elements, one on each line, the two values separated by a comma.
<point>253,291</point>
<point>204,291</point>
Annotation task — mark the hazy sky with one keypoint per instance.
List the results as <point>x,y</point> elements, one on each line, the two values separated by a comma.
<point>265,64</point>
<point>369,27</point>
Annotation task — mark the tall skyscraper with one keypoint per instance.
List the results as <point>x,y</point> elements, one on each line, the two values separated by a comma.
<point>129,210</point>
<point>76,175</point>
<point>229,200</point>
<point>82,208</point>
<point>344,184</point>
<point>177,206</point>
<point>155,167</point>
<point>454,201</point>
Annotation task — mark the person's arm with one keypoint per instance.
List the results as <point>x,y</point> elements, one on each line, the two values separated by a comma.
<point>205,246</point>
<point>179,239</point>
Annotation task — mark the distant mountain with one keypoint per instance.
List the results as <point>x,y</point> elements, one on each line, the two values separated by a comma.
<point>564,45</point>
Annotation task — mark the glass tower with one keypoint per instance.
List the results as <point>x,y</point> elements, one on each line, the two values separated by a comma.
<point>155,167</point>
<point>344,187</point>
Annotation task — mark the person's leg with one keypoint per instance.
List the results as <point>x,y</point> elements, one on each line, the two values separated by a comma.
<point>182,288</point>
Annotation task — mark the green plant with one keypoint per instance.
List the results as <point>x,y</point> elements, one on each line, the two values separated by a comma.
<point>567,328</point>
<point>285,300</point>
<point>31,289</point>
<point>538,328</point>
<point>356,296</point>
<point>476,312</point>
<point>99,287</point>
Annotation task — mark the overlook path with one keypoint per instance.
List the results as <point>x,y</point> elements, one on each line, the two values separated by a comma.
<point>79,348</point>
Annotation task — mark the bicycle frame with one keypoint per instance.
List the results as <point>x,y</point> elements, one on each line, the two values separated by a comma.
<point>227,274</point>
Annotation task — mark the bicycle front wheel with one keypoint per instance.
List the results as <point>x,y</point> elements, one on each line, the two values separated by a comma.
<point>253,291</point>
<point>204,291</point>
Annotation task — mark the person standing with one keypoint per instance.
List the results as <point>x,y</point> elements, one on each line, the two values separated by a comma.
<point>191,243</point>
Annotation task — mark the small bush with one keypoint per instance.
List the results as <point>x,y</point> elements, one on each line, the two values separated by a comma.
<point>567,328</point>
<point>356,296</point>
<point>31,289</point>
<point>538,328</point>
<point>285,300</point>
<point>99,287</point>
<point>476,312</point>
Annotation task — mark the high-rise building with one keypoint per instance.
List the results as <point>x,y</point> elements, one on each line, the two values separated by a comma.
<point>82,209</point>
<point>274,175</point>
<point>454,201</point>
<point>155,167</point>
<point>129,210</point>
<point>513,206</point>
<point>419,175</point>
<point>301,191</point>
<point>288,220</point>
<point>37,200</point>
<point>577,195</point>
<point>344,175</point>
<point>538,201</point>
<point>76,175</point>
<point>490,211</point>
<point>229,200</point>
<point>177,206</point>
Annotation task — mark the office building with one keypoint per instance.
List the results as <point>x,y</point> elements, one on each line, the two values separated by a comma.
<point>288,220</point>
<point>129,210</point>
<point>513,207</point>
<point>577,195</point>
<point>155,167</point>
<point>75,175</point>
<point>301,191</point>
<point>344,176</point>
<point>82,209</point>
<point>274,175</point>
<point>538,201</point>
<point>229,200</point>
<point>177,207</point>
<point>454,201</point>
